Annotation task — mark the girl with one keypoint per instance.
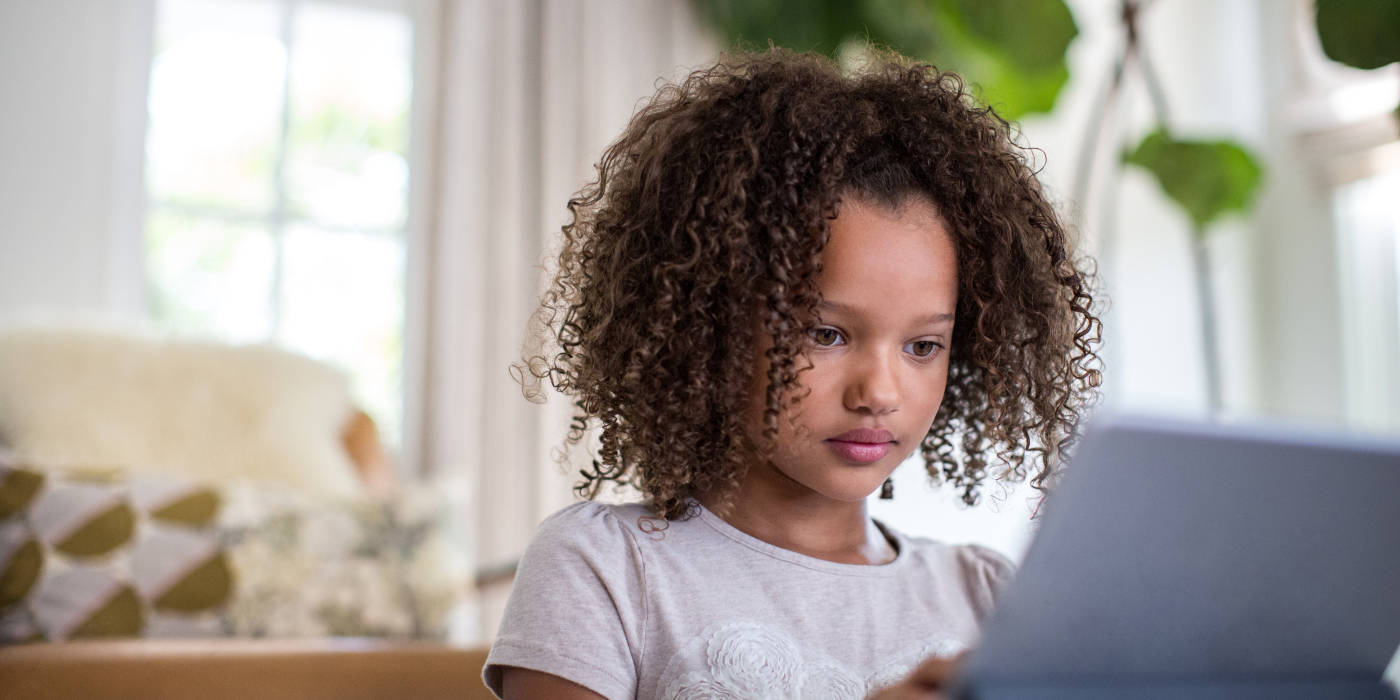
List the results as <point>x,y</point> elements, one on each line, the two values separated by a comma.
<point>783,282</point>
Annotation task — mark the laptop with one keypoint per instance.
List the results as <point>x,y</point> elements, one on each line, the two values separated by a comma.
<point>1205,561</point>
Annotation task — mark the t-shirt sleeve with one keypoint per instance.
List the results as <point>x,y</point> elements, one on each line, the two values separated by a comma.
<point>577,607</point>
<point>985,573</point>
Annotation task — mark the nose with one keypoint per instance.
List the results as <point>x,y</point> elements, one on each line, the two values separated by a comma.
<point>873,385</point>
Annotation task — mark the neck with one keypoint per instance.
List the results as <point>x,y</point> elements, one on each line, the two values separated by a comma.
<point>774,508</point>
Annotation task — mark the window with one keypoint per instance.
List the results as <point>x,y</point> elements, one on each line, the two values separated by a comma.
<point>277,172</point>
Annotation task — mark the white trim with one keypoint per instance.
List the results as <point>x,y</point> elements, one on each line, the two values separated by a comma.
<point>1367,256</point>
<point>124,260</point>
<point>423,168</point>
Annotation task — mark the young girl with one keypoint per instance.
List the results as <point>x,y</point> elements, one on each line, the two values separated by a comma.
<point>786,280</point>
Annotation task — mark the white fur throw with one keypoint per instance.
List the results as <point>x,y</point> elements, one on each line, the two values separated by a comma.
<point>221,414</point>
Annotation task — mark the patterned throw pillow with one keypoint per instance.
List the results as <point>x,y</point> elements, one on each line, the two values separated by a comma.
<point>87,553</point>
<point>307,568</point>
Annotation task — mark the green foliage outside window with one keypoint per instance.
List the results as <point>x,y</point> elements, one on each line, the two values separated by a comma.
<point>1360,33</point>
<point>1012,51</point>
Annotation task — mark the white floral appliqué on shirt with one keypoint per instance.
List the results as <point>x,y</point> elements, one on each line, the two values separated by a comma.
<point>751,661</point>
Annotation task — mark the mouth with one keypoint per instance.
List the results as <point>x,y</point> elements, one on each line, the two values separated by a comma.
<point>862,445</point>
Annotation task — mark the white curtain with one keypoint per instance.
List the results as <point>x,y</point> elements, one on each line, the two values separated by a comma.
<point>529,93</point>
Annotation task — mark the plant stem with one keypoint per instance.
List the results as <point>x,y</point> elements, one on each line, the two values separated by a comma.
<point>1088,147</point>
<point>1205,297</point>
<point>1093,133</point>
<point>1154,86</point>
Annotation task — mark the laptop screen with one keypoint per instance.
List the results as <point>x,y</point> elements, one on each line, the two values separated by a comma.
<point>1186,552</point>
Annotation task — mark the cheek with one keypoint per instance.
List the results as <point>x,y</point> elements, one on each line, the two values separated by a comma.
<point>793,418</point>
<point>934,388</point>
<point>822,388</point>
<point>821,407</point>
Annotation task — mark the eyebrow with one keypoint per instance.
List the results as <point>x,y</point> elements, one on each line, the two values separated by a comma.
<point>937,318</point>
<point>838,307</point>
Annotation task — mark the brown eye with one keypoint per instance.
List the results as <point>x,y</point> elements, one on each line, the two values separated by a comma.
<point>826,337</point>
<point>921,348</point>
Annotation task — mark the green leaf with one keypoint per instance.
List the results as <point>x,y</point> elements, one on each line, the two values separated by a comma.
<point>997,79</point>
<point>1032,35</point>
<point>1014,95</point>
<point>803,25</point>
<point>1360,33</point>
<point>1013,51</point>
<point>1207,178</point>
<point>907,26</point>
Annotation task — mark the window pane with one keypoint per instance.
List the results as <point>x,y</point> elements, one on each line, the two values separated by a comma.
<point>350,84</point>
<point>276,155</point>
<point>216,103</point>
<point>342,301</point>
<point>210,277</point>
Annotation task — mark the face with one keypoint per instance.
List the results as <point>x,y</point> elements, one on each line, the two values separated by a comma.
<point>879,353</point>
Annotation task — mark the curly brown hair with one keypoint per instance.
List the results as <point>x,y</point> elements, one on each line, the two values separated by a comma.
<point>713,207</point>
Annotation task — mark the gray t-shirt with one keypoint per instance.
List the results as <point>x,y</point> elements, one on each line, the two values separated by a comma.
<point>631,606</point>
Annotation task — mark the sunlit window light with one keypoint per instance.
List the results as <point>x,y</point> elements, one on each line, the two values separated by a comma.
<point>277,175</point>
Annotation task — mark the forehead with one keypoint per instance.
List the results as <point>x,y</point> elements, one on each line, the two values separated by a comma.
<point>881,258</point>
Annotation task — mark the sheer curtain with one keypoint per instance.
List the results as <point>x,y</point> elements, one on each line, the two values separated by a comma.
<point>530,92</point>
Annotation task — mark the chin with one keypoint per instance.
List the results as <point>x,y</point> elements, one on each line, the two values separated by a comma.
<point>837,480</point>
<point>849,489</point>
<point>852,496</point>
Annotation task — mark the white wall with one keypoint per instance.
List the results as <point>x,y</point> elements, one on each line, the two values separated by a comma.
<point>72,122</point>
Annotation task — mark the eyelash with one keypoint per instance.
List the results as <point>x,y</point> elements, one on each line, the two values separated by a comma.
<point>933,346</point>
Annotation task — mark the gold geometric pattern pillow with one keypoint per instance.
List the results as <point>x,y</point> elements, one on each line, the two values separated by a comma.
<point>86,553</point>
<point>94,554</point>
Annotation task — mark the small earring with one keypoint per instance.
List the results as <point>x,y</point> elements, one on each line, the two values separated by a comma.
<point>887,490</point>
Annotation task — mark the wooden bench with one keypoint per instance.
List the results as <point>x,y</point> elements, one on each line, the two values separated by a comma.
<point>241,669</point>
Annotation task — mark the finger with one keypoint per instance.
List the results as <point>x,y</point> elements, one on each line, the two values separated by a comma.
<point>935,672</point>
<point>906,691</point>
<point>932,673</point>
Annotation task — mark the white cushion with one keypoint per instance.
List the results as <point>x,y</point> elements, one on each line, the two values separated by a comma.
<point>102,399</point>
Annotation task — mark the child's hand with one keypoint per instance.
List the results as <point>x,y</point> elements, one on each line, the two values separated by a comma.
<point>925,683</point>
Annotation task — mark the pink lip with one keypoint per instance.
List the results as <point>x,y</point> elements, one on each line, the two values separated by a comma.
<point>865,435</point>
<point>862,445</point>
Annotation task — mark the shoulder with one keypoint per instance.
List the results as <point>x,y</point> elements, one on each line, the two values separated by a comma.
<point>983,568</point>
<point>590,529</point>
<point>591,516</point>
<point>981,571</point>
<point>973,561</point>
<point>578,607</point>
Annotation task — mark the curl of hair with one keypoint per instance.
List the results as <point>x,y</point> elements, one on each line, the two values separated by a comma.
<point>715,204</point>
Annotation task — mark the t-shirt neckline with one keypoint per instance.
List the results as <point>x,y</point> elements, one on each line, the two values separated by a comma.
<point>890,568</point>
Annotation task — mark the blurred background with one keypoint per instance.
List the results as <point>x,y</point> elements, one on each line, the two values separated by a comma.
<point>376,184</point>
